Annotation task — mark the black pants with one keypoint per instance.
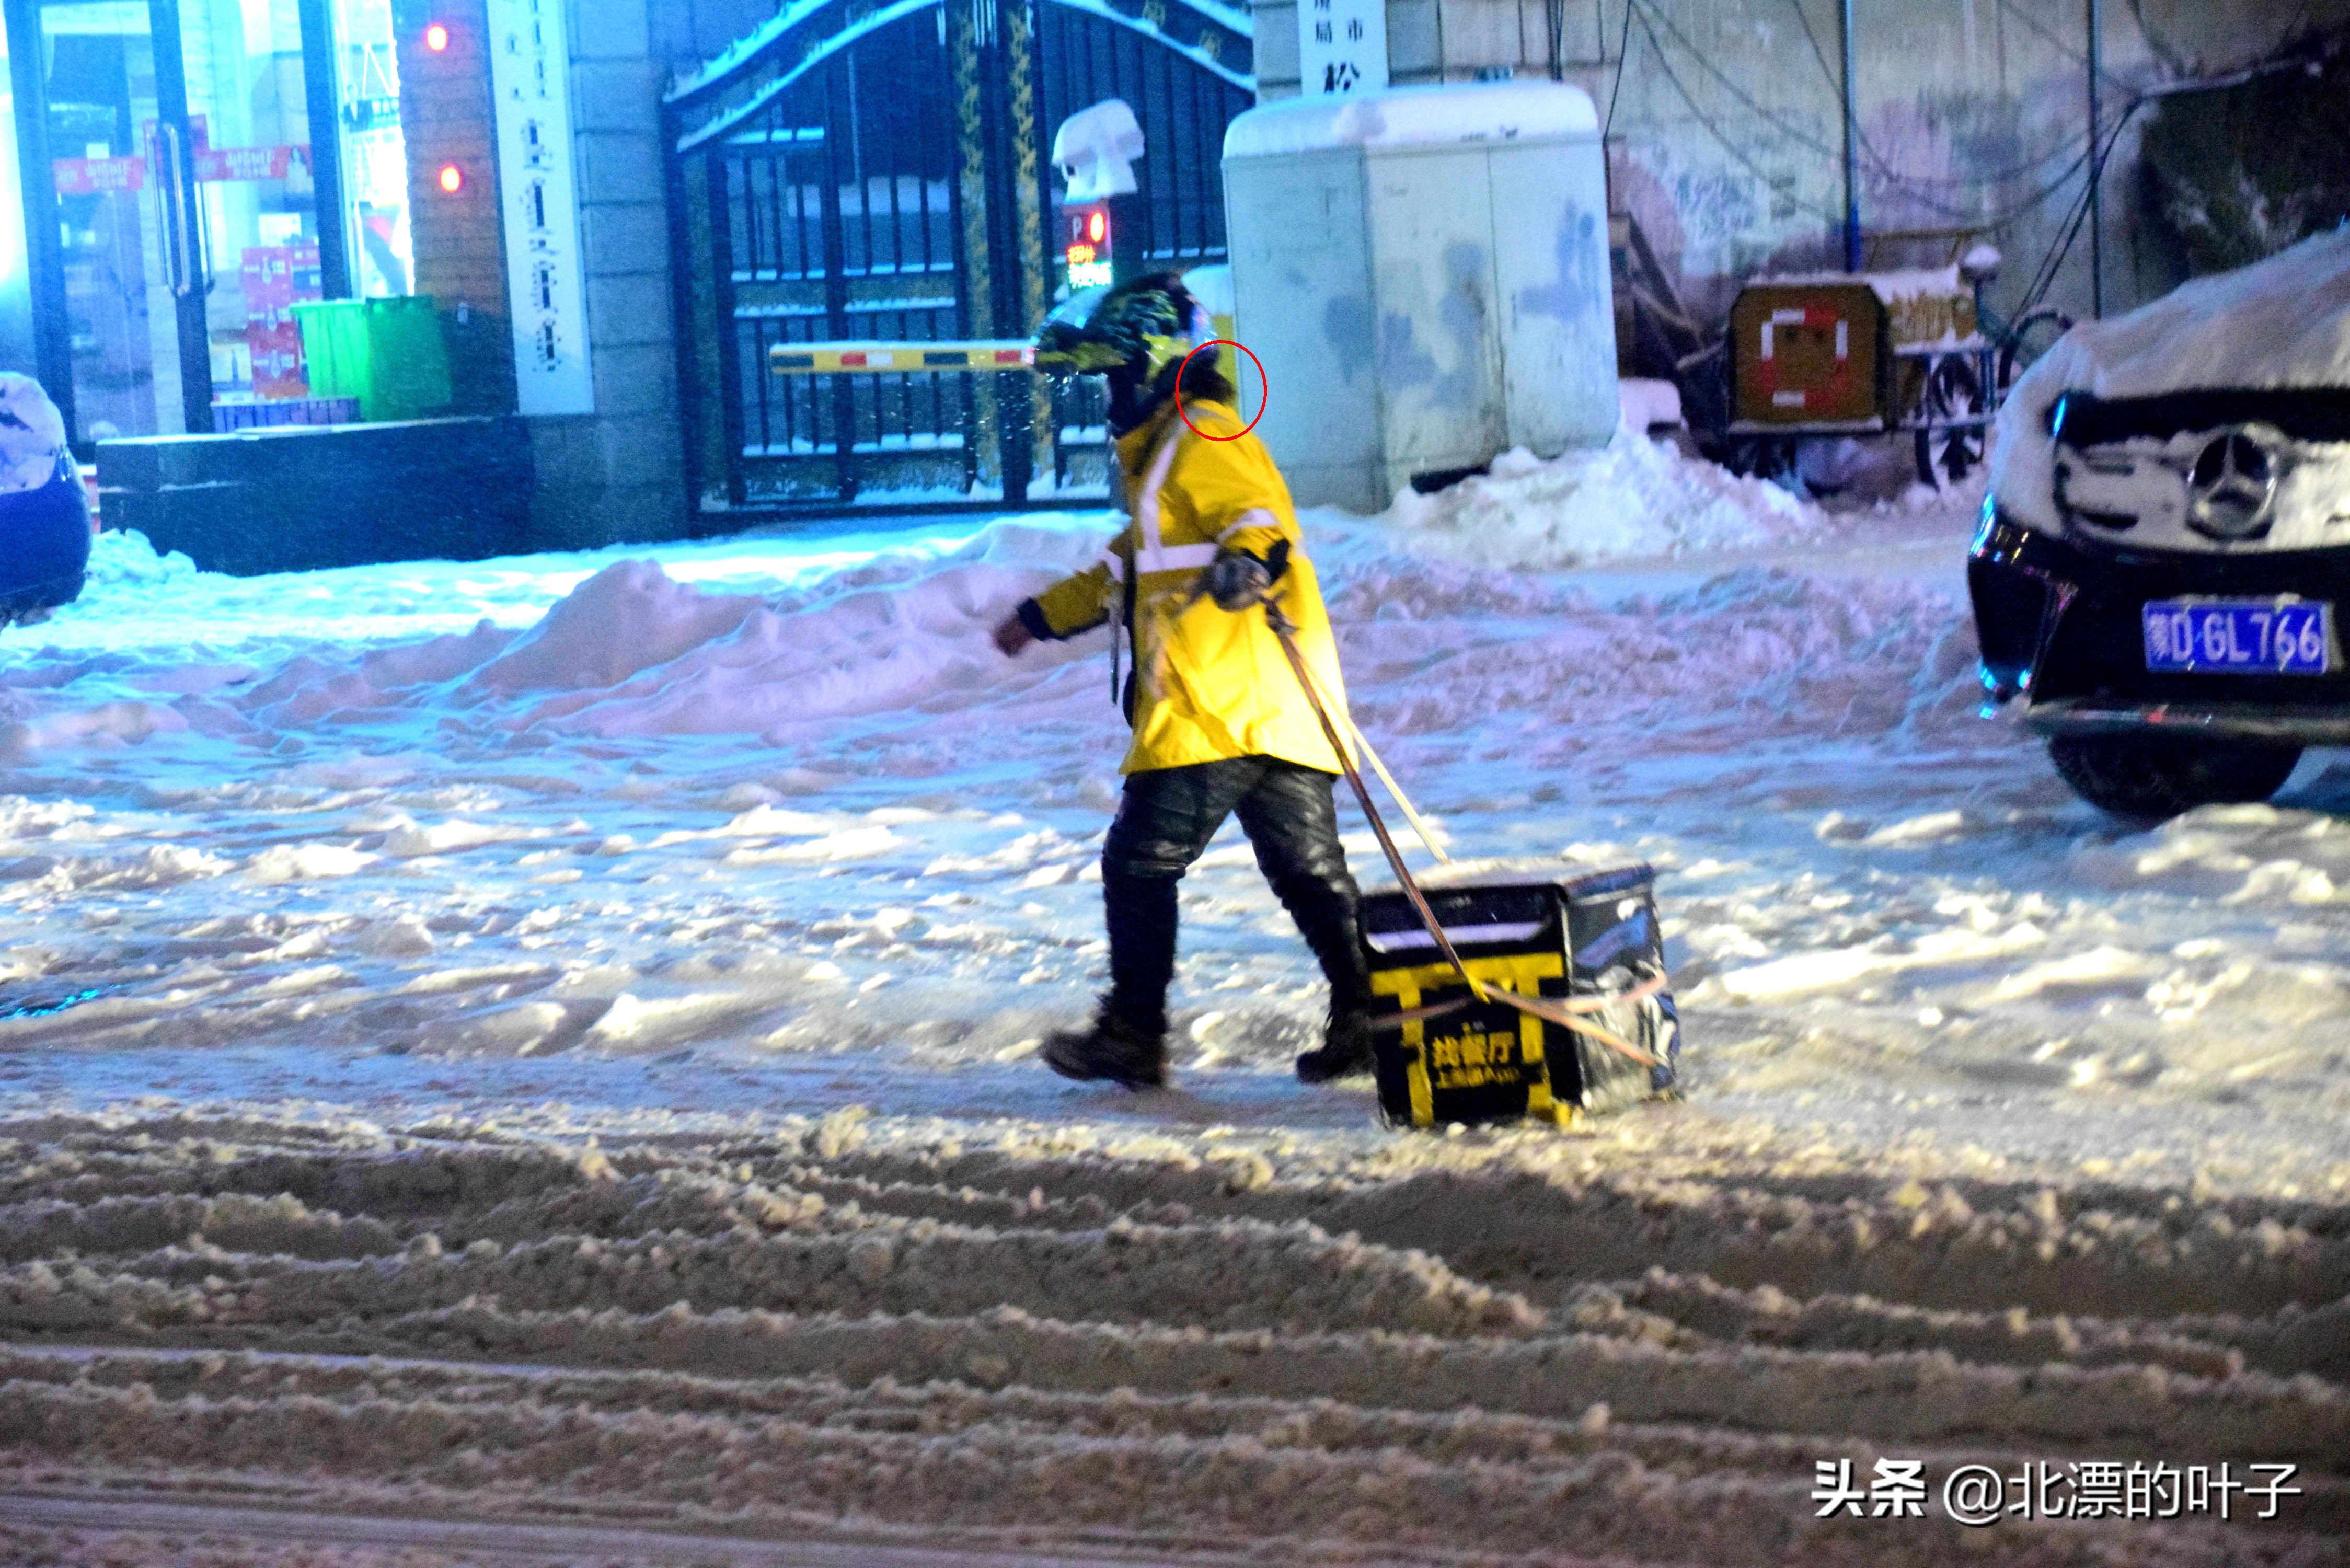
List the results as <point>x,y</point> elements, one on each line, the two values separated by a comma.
<point>1164,823</point>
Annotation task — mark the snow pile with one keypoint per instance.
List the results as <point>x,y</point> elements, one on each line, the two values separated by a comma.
<point>1635,497</point>
<point>733,667</point>
<point>706,642</point>
<point>1647,403</point>
<point>123,559</point>
<point>629,650</point>
<point>627,618</point>
<point>633,651</point>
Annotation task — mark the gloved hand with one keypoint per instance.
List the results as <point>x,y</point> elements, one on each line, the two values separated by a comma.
<point>1238,582</point>
<point>1011,634</point>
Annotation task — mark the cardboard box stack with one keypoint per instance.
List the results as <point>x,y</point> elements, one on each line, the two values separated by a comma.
<point>276,278</point>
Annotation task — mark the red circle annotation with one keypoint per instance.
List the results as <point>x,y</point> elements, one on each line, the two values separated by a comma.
<point>1262,380</point>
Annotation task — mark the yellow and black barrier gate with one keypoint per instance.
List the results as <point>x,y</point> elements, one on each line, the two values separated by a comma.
<point>891,359</point>
<point>961,400</point>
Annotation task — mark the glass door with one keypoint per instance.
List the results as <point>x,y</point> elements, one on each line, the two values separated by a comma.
<point>122,228</point>
<point>181,140</point>
<point>256,198</point>
<point>374,150</point>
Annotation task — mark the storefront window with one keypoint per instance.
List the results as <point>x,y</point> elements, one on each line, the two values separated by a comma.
<point>375,152</point>
<point>186,210</point>
<point>15,282</point>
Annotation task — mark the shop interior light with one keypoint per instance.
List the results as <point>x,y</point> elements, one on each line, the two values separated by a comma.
<point>436,37</point>
<point>452,179</point>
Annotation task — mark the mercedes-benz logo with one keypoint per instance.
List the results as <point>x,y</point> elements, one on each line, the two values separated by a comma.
<point>2231,486</point>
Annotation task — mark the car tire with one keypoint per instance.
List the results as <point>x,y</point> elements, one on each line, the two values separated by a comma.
<point>2151,777</point>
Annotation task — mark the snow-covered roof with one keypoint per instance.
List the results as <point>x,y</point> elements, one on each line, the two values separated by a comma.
<point>1892,287</point>
<point>1414,117</point>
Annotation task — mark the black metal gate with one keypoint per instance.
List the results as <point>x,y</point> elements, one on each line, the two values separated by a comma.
<point>862,173</point>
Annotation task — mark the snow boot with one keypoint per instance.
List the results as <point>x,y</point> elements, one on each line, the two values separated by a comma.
<point>1112,1049</point>
<point>1345,1052</point>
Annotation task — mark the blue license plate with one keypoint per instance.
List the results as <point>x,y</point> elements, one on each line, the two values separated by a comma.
<point>2258,636</point>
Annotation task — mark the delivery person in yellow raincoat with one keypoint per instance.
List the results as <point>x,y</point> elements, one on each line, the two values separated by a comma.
<point>1220,723</point>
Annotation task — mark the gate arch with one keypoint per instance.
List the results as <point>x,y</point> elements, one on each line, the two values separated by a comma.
<point>857,172</point>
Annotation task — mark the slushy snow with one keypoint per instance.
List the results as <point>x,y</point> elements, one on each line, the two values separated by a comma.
<point>533,1060</point>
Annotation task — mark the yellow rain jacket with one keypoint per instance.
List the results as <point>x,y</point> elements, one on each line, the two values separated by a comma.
<point>1209,683</point>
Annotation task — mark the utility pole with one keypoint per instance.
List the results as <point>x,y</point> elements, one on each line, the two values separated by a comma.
<point>1852,147</point>
<point>2097,166</point>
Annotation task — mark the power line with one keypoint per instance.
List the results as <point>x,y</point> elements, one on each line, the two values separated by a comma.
<point>1735,151</point>
<point>1997,221</point>
<point>1622,52</point>
<point>1818,54</point>
<point>2054,41</point>
<point>1647,17</point>
<point>1907,185</point>
<point>2044,275</point>
<point>1884,165</point>
<point>1876,159</point>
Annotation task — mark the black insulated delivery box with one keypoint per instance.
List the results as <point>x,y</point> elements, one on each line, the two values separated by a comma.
<point>1592,935</point>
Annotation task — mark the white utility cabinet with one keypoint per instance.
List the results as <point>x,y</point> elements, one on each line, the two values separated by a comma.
<point>1423,271</point>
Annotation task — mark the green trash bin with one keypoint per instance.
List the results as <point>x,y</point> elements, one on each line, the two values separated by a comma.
<point>387,353</point>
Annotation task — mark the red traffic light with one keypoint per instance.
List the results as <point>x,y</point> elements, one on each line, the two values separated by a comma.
<point>436,38</point>
<point>452,179</point>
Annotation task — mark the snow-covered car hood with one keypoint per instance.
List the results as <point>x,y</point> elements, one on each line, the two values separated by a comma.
<point>2282,324</point>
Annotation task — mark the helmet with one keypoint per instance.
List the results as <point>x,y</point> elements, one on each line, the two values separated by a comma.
<point>1138,334</point>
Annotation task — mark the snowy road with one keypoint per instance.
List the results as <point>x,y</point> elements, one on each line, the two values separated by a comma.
<point>251,1533</point>
<point>472,961</point>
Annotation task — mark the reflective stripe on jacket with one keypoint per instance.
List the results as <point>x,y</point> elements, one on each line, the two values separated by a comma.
<point>1209,683</point>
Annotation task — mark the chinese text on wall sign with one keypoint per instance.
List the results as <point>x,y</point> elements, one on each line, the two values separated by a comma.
<point>529,75</point>
<point>1342,45</point>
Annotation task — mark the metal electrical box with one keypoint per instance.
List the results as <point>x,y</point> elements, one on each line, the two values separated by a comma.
<point>1423,271</point>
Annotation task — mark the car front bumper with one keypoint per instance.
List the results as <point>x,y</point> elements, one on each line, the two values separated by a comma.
<point>2294,726</point>
<point>2062,626</point>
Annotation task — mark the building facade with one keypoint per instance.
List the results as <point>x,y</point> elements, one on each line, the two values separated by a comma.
<point>1725,126</point>
<point>225,215</point>
<point>604,220</point>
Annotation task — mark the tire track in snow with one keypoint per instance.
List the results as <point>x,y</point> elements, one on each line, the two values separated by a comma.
<point>1583,1348</point>
<point>56,1529</point>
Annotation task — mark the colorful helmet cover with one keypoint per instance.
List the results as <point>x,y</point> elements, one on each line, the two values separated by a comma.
<point>1143,327</point>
